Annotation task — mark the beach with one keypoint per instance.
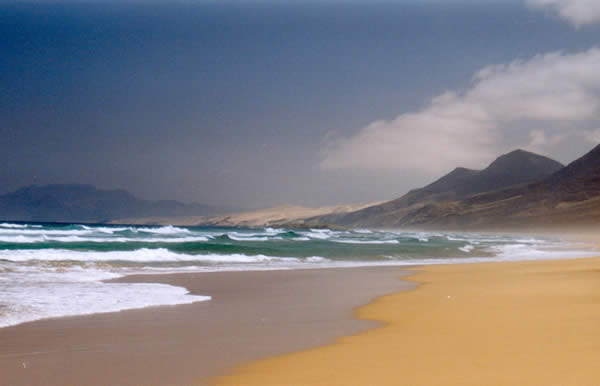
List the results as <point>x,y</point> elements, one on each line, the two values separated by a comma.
<point>534,322</point>
<point>102,304</point>
<point>300,193</point>
<point>252,314</point>
<point>501,323</point>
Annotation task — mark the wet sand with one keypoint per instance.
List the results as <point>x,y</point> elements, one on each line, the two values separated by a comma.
<point>517,323</point>
<point>252,315</point>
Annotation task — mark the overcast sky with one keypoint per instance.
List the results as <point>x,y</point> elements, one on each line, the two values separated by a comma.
<point>257,103</point>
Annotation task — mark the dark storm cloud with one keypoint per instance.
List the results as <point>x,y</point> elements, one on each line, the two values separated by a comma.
<point>233,104</point>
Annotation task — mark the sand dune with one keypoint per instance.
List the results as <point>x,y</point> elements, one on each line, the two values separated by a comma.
<point>279,215</point>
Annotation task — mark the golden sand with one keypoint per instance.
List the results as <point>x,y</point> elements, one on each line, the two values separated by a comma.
<point>523,323</point>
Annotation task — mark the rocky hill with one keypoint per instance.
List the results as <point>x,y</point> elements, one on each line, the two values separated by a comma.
<point>515,168</point>
<point>568,197</point>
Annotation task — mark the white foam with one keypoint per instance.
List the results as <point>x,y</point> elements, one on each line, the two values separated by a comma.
<point>350,241</point>
<point>61,282</point>
<point>166,230</point>
<point>321,234</point>
<point>110,230</point>
<point>247,237</point>
<point>139,255</point>
<point>273,231</point>
<point>23,239</point>
<point>20,239</point>
<point>55,232</point>
<point>486,238</point>
<point>467,248</point>
<point>50,300</point>
<point>32,292</point>
<point>9,225</point>
<point>316,259</point>
<point>511,252</point>
<point>452,238</point>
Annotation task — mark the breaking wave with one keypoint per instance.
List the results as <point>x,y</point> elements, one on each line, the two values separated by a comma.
<point>50,270</point>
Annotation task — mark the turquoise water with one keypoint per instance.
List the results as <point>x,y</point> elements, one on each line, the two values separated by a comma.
<point>49,270</point>
<point>155,246</point>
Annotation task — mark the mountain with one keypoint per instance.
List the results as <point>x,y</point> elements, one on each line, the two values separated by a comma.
<point>85,203</point>
<point>513,169</point>
<point>568,197</point>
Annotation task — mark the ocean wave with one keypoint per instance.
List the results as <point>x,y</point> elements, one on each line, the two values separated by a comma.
<point>76,259</point>
<point>289,235</point>
<point>34,301</point>
<point>273,231</point>
<point>110,230</point>
<point>143,255</point>
<point>10,225</point>
<point>21,239</point>
<point>247,237</point>
<point>165,230</point>
<point>316,259</point>
<point>478,239</point>
<point>321,234</point>
<point>236,238</point>
<point>350,241</point>
<point>276,234</point>
<point>63,232</point>
<point>467,248</point>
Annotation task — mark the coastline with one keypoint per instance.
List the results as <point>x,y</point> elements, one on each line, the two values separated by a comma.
<point>533,322</point>
<point>252,315</point>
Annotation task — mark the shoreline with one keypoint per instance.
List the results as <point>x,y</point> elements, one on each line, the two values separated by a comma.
<point>252,315</point>
<point>529,322</point>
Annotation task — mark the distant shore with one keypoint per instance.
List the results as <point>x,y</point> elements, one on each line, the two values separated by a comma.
<point>509,323</point>
<point>251,315</point>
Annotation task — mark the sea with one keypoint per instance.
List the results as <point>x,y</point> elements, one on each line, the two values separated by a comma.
<point>51,270</point>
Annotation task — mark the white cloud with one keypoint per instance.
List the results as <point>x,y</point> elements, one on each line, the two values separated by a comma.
<point>466,127</point>
<point>540,140</point>
<point>592,136</point>
<point>577,12</point>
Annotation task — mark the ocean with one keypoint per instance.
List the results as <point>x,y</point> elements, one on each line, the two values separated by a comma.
<point>52,270</point>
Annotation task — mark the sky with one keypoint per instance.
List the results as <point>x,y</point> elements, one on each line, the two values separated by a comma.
<point>262,103</point>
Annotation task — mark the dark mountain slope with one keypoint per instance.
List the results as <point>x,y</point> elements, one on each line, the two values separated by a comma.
<point>514,168</point>
<point>85,203</point>
<point>571,196</point>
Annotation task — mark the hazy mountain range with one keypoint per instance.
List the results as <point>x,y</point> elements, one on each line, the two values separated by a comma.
<point>85,203</point>
<point>518,190</point>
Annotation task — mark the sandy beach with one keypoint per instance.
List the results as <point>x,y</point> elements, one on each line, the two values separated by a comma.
<point>492,323</point>
<point>251,315</point>
<point>495,324</point>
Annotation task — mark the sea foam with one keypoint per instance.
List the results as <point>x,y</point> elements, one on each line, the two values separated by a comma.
<point>30,301</point>
<point>59,269</point>
<point>143,255</point>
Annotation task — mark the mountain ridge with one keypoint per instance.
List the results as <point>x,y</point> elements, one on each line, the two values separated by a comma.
<point>86,203</point>
<point>511,169</point>
<point>567,197</point>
